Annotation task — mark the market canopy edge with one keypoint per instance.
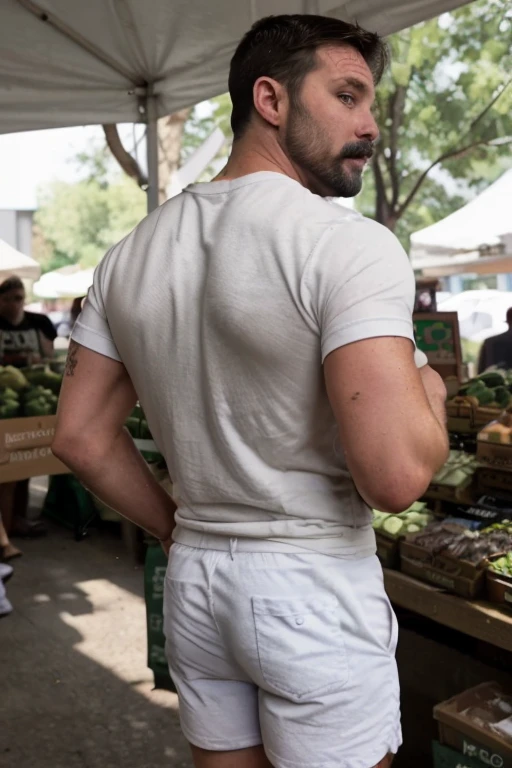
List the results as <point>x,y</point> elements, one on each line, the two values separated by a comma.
<point>65,62</point>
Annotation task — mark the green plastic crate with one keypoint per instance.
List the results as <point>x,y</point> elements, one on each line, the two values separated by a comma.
<point>154,577</point>
<point>445,757</point>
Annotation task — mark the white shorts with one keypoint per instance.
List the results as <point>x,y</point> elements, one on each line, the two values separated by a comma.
<point>292,651</point>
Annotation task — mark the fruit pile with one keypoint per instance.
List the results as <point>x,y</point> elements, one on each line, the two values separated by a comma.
<point>412,520</point>
<point>499,431</point>
<point>492,389</point>
<point>463,544</point>
<point>458,469</point>
<point>502,566</point>
<point>31,392</point>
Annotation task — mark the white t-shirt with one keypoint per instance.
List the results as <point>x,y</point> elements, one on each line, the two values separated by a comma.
<point>222,304</point>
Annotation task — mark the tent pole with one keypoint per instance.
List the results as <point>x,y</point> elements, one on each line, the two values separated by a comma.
<point>152,150</point>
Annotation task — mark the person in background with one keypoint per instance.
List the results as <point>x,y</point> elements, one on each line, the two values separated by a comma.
<point>5,574</point>
<point>26,338</point>
<point>7,550</point>
<point>497,350</point>
<point>75,310</point>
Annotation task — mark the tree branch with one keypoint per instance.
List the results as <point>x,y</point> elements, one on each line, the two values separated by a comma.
<point>446,156</point>
<point>456,152</point>
<point>127,162</point>
<point>489,106</point>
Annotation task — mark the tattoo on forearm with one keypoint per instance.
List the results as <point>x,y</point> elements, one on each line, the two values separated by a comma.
<point>72,359</point>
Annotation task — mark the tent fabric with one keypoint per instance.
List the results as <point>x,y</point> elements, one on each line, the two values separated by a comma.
<point>61,285</point>
<point>12,262</point>
<point>69,62</point>
<point>484,223</point>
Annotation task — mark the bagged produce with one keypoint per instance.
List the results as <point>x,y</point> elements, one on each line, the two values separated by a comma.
<point>459,468</point>
<point>411,521</point>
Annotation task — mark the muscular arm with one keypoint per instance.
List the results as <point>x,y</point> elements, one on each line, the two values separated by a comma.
<point>96,398</point>
<point>391,428</point>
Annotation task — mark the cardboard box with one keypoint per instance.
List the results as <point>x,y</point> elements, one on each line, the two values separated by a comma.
<point>491,479</point>
<point>388,550</point>
<point>467,723</point>
<point>497,455</point>
<point>458,576</point>
<point>465,416</point>
<point>25,448</point>
<point>499,588</point>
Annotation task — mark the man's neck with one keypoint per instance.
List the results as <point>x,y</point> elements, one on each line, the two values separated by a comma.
<point>254,153</point>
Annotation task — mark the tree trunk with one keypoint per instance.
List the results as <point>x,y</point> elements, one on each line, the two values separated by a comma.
<point>383,210</point>
<point>170,134</point>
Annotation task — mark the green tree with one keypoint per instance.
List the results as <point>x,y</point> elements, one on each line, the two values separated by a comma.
<point>444,104</point>
<point>76,223</point>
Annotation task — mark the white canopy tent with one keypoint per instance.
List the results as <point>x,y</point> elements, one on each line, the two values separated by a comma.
<point>476,238</point>
<point>67,62</point>
<point>12,262</point>
<point>64,285</point>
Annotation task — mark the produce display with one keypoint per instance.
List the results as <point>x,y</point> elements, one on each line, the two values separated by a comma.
<point>28,392</point>
<point>458,469</point>
<point>492,389</point>
<point>463,544</point>
<point>498,431</point>
<point>412,520</point>
<point>502,566</point>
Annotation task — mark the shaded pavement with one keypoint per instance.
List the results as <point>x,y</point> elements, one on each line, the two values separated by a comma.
<point>75,691</point>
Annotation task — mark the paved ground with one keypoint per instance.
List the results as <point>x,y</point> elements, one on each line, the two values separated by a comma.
<point>75,691</point>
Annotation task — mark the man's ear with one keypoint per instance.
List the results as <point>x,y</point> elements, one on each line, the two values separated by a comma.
<point>269,100</point>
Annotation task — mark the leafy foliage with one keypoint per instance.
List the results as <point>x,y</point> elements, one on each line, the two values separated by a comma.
<point>445,101</point>
<point>76,223</point>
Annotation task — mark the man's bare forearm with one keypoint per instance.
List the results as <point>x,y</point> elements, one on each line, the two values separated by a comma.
<point>118,475</point>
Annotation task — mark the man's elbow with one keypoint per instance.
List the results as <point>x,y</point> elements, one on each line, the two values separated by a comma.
<point>73,449</point>
<point>397,493</point>
<point>66,448</point>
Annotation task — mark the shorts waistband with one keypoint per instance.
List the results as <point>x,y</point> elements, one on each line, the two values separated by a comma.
<point>335,546</point>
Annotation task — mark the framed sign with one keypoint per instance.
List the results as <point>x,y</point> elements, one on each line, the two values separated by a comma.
<point>437,335</point>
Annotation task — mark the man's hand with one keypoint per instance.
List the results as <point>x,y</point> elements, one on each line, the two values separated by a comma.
<point>436,392</point>
<point>166,545</point>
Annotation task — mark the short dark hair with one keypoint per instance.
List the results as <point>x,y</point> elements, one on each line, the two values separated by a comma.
<point>11,284</point>
<point>283,48</point>
<point>509,316</point>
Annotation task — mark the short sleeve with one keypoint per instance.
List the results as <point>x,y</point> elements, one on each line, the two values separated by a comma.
<point>47,328</point>
<point>359,284</point>
<point>91,328</point>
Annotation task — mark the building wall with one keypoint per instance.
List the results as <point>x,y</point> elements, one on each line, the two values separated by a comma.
<point>16,229</point>
<point>24,231</point>
<point>8,228</point>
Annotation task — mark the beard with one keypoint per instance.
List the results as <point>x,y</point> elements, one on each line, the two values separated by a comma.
<point>309,147</point>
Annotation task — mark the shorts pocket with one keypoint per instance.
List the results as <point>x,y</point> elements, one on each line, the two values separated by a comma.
<point>300,645</point>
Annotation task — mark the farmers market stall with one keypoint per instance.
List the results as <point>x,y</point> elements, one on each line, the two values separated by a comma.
<point>448,561</point>
<point>28,404</point>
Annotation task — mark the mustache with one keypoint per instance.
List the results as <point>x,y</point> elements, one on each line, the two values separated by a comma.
<point>357,150</point>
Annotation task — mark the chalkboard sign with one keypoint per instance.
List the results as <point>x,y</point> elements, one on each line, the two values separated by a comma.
<point>437,335</point>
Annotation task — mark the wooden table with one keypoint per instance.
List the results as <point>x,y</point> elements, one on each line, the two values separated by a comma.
<point>477,618</point>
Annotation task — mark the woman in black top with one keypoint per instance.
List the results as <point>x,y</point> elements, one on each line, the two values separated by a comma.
<point>25,337</point>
